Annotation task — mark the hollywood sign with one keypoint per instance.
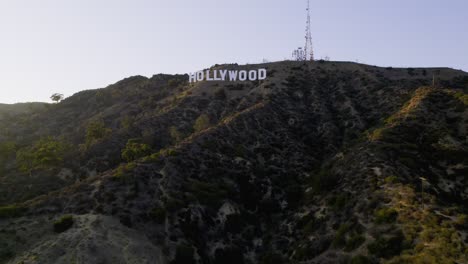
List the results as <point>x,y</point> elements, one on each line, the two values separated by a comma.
<point>228,75</point>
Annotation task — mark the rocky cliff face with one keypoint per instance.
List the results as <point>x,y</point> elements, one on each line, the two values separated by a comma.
<point>322,162</point>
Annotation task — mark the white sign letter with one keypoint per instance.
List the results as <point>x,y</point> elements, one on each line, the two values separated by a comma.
<point>200,76</point>
<point>252,75</point>
<point>242,75</point>
<point>223,74</point>
<point>215,76</point>
<point>192,77</point>
<point>232,75</point>
<point>208,78</point>
<point>262,74</point>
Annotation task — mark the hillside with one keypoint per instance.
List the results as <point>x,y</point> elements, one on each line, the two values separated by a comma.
<point>323,162</point>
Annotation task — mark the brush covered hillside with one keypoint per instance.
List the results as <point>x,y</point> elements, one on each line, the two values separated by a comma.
<point>322,162</point>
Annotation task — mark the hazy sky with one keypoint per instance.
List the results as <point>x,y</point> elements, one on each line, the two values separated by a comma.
<point>67,46</point>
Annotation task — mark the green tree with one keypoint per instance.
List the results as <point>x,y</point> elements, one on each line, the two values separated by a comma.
<point>135,150</point>
<point>57,97</point>
<point>44,154</point>
<point>202,123</point>
<point>95,131</point>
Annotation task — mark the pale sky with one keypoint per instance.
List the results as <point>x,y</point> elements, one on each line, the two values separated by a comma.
<point>67,46</point>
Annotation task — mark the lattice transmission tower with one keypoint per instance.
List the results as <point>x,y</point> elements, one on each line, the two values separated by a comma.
<point>306,53</point>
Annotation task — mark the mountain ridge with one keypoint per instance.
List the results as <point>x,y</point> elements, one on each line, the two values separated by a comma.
<point>250,172</point>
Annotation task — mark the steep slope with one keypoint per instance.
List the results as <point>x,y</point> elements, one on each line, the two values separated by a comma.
<point>321,163</point>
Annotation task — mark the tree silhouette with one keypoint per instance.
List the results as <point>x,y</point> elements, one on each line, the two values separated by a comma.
<point>57,97</point>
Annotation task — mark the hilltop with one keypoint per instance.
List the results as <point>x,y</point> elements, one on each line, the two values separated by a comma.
<point>322,162</point>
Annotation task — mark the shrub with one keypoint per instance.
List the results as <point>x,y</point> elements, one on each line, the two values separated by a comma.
<point>462,97</point>
<point>360,259</point>
<point>294,194</point>
<point>462,221</point>
<point>176,136</point>
<point>323,181</point>
<point>45,153</point>
<point>201,123</point>
<point>184,255</point>
<point>5,254</point>
<point>354,242</point>
<point>376,134</point>
<point>95,131</point>
<point>385,215</point>
<point>308,223</point>
<point>173,204</point>
<point>63,224</point>
<point>135,150</point>
<point>338,202</point>
<point>386,247</point>
<point>272,258</point>
<point>208,193</point>
<point>391,179</point>
<point>174,83</point>
<point>158,155</point>
<point>340,237</point>
<point>239,150</point>
<point>210,145</point>
<point>159,214</point>
<point>10,211</point>
<point>127,122</point>
<point>7,149</point>
<point>220,94</point>
<point>124,169</point>
<point>229,255</point>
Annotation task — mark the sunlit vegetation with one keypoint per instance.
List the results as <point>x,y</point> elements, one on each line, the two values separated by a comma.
<point>158,155</point>
<point>463,97</point>
<point>10,211</point>
<point>201,123</point>
<point>124,170</point>
<point>96,131</point>
<point>385,215</point>
<point>45,154</point>
<point>135,150</point>
<point>433,238</point>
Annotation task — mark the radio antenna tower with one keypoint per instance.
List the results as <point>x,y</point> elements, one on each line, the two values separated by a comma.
<point>306,53</point>
<point>308,49</point>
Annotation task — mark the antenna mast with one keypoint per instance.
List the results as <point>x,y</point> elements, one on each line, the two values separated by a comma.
<point>308,49</point>
<point>306,53</point>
